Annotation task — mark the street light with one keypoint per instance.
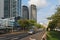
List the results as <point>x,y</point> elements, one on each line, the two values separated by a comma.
<point>12,24</point>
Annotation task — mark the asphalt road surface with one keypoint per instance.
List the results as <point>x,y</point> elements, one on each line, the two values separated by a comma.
<point>14,37</point>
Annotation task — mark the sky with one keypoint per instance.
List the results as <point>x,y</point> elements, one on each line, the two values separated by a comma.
<point>45,8</point>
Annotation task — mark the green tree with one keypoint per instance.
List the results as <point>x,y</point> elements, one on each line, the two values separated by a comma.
<point>52,24</point>
<point>26,24</point>
<point>38,25</point>
<point>23,23</point>
<point>55,16</point>
<point>55,19</point>
<point>32,22</point>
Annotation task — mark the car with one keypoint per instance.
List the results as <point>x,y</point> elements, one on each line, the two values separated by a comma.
<point>57,29</point>
<point>31,32</point>
<point>40,29</point>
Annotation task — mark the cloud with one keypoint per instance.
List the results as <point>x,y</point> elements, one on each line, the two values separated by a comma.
<point>38,3</point>
<point>58,2</point>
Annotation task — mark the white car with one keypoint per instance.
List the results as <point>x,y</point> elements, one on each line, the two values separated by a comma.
<point>31,32</point>
<point>57,29</point>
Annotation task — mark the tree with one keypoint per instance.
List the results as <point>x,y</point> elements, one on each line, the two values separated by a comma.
<point>55,18</point>
<point>26,24</point>
<point>38,25</point>
<point>52,24</point>
<point>32,22</point>
<point>23,23</point>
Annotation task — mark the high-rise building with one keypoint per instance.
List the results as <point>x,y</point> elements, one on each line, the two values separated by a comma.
<point>10,8</point>
<point>33,12</point>
<point>25,12</point>
<point>19,2</point>
<point>13,8</point>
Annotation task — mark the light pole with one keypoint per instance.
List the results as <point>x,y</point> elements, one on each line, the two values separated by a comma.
<point>11,24</point>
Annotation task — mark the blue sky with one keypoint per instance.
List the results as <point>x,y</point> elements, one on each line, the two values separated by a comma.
<point>45,8</point>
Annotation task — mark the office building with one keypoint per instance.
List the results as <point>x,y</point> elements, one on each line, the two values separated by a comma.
<point>33,12</point>
<point>25,12</point>
<point>19,3</point>
<point>10,8</point>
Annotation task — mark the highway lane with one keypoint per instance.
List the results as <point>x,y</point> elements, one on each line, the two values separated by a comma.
<point>16,36</point>
<point>10,37</point>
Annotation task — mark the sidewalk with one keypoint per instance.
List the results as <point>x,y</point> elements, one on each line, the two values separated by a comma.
<point>12,33</point>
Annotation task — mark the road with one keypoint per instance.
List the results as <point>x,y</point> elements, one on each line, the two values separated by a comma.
<point>11,36</point>
<point>14,37</point>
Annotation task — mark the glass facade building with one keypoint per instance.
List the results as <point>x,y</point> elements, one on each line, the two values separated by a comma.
<point>10,8</point>
<point>33,12</point>
<point>19,7</point>
<point>15,8</point>
<point>6,8</point>
<point>25,12</point>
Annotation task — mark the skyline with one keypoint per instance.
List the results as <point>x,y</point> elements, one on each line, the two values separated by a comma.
<point>45,8</point>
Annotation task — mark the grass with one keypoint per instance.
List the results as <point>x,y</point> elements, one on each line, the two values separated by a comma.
<point>53,35</point>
